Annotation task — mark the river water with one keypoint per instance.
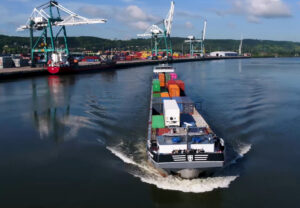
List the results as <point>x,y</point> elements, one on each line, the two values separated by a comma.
<point>79,140</point>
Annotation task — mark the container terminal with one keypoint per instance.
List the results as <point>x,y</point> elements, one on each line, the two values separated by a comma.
<point>47,26</point>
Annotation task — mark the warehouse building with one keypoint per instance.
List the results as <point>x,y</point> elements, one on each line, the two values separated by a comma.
<point>223,53</point>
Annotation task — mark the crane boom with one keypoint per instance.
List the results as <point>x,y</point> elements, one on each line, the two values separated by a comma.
<point>204,30</point>
<point>39,18</point>
<point>169,19</point>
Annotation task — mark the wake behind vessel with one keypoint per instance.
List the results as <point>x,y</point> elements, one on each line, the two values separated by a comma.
<point>179,139</point>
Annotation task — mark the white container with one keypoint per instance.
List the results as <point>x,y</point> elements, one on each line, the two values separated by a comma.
<point>171,113</point>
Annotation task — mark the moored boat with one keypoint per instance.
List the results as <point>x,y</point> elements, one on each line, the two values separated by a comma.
<point>62,63</point>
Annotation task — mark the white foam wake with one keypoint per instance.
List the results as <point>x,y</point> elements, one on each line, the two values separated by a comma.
<point>241,151</point>
<point>195,185</point>
<point>150,175</point>
<point>122,156</point>
<point>244,149</point>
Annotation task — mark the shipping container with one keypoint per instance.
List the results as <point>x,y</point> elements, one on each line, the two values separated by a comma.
<point>156,94</point>
<point>171,113</point>
<point>179,103</point>
<point>162,131</point>
<point>174,90</point>
<point>170,82</point>
<point>157,104</point>
<point>164,94</point>
<point>156,85</point>
<point>158,122</point>
<point>161,77</point>
<point>180,83</point>
<point>167,77</point>
<point>188,105</point>
<point>173,76</point>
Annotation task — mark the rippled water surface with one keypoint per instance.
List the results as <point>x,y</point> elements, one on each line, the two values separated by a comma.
<point>79,140</point>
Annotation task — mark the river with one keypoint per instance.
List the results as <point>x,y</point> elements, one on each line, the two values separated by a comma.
<point>79,140</point>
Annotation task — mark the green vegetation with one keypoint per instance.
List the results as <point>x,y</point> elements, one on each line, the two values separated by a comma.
<point>13,44</point>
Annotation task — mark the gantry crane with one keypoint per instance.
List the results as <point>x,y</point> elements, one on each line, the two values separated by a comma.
<point>44,18</point>
<point>163,34</point>
<point>193,42</point>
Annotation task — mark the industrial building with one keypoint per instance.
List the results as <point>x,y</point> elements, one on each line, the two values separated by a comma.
<point>223,53</point>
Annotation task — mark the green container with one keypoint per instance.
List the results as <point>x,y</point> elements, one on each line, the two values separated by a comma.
<point>156,94</point>
<point>158,122</point>
<point>156,85</point>
<point>168,77</point>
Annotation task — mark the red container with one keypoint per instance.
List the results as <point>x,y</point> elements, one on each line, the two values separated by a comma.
<point>162,131</point>
<point>171,82</point>
<point>128,58</point>
<point>180,83</point>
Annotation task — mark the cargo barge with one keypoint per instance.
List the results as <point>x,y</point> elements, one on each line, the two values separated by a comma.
<point>179,139</point>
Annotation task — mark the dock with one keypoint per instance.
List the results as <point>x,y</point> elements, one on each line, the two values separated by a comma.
<point>19,72</point>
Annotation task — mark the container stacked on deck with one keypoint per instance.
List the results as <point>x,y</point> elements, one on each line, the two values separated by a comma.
<point>168,92</point>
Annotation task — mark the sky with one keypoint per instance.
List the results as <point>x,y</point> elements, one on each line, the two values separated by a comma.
<point>226,19</point>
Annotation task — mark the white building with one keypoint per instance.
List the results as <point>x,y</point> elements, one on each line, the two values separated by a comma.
<point>223,53</point>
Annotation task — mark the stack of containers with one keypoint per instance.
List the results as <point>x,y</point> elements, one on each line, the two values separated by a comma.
<point>161,77</point>
<point>185,104</point>
<point>174,90</point>
<point>157,104</point>
<point>188,105</point>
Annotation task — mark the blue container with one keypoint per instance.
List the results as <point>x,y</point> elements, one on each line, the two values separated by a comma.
<point>179,103</point>
<point>176,140</point>
<point>155,76</point>
<point>196,139</point>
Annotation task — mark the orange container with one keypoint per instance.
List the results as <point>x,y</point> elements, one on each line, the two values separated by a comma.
<point>174,90</point>
<point>161,77</point>
<point>164,94</point>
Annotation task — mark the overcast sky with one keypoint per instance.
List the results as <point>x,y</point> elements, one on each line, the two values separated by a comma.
<point>257,19</point>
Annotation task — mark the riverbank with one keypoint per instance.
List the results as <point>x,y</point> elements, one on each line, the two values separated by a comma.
<point>85,67</point>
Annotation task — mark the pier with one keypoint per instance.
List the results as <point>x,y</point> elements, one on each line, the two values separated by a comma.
<point>86,67</point>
